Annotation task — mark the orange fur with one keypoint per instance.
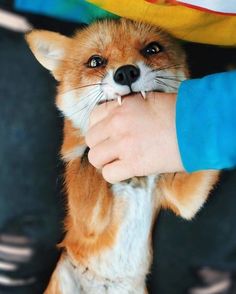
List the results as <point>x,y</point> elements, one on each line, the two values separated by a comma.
<point>88,232</point>
<point>71,139</point>
<point>184,187</point>
<point>53,286</point>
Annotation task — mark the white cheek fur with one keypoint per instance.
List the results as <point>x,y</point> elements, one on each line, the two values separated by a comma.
<point>164,80</point>
<point>77,105</point>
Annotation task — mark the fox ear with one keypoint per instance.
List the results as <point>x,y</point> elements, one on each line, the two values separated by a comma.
<point>49,48</point>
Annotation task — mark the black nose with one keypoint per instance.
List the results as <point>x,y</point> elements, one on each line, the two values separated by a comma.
<point>126,74</point>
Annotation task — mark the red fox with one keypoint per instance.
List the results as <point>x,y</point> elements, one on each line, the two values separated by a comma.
<point>107,246</point>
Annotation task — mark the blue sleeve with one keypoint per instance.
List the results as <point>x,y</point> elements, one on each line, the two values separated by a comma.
<point>206,122</point>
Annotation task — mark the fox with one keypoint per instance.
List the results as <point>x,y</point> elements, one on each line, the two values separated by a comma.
<point>108,227</point>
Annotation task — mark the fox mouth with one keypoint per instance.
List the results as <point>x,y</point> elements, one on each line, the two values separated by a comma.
<point>120,98</point>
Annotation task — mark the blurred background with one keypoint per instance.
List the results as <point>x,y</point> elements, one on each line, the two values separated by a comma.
<point>197,257</point>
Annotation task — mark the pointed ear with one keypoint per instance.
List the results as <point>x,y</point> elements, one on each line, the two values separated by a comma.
<point>49,48</point>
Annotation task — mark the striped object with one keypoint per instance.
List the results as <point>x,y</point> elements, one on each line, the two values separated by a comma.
<point>188,24</point>
<point>219,6</point>
<point>73,10</point>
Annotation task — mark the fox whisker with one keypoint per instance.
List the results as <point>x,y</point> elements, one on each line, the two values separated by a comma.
<point>170,78</point>
<point>93,99</point>
<point>86,101</point>
<point>91,107</point>
<point>84,86</point>
<point>165,84</point>
<point>83,98</point>
<point>168,67</point>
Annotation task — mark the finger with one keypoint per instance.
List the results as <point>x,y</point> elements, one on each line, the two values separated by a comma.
<point>101,111</point>
<point>98,133</point>
<point>117,171</point>
<point>103,153</point>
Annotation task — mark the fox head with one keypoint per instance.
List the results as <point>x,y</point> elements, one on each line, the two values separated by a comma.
<point>108,60</point>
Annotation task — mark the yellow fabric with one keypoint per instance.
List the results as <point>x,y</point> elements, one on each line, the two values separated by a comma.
<point>182,22</point>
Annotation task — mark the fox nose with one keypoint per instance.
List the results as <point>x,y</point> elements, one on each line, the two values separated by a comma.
<point>126,74</point>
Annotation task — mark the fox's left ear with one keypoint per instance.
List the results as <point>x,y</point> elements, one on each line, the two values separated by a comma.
<point>49,48</point>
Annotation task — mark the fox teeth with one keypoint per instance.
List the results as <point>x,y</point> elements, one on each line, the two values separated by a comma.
<point>119,99</point>
<point>143,94</point>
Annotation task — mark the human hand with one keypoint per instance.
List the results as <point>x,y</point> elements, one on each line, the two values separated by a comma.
<point>137,138</point>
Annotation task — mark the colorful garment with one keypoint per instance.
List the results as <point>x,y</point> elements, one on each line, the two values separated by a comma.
<point>182,22</point>
<point>219,6</point>
<point>70,10</point>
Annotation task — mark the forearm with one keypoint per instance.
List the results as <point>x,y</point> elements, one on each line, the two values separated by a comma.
<point>206,122</point>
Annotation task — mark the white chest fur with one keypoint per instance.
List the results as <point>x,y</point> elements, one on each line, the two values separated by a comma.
<point>121,269</point>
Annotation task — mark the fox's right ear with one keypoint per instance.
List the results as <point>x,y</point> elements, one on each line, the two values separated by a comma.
<point>49,48</point>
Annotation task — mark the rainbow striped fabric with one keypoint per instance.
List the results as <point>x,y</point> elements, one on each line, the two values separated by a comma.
<point>183,20</point>
<point>218,6</point>
<point>203,21</point>
<point>71,10</point>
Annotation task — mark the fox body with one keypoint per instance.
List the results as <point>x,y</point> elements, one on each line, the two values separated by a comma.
<point>107,246</point>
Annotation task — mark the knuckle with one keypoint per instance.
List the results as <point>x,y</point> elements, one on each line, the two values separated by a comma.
<point>119,121</point>
<point>116,121</point>
<point>88,140</point>
<point>92,157</point>
<point>93,115</point>
<point>127,145</point>
<point>137,167</point>
<point>123,147</point>
<point>129,155</point>
<point>107,175</point>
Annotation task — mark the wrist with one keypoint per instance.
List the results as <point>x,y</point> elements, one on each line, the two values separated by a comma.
<point>166,107</point>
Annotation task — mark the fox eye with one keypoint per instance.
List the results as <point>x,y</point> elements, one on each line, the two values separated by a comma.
<point>96,61</point>
<point>151,49</point>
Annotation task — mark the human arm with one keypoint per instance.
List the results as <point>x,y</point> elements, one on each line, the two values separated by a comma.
<point>135,139</point>
<point>142,134</point>
<point>206,122</point>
